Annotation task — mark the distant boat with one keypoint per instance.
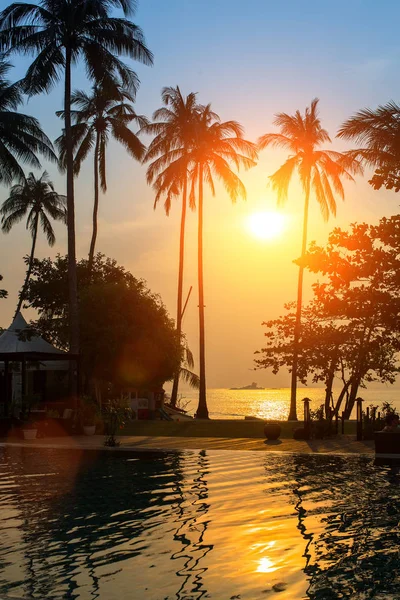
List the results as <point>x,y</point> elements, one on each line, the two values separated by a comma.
<point>252,386</point>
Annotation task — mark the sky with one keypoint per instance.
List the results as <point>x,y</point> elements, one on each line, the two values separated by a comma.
<point>250,60</point>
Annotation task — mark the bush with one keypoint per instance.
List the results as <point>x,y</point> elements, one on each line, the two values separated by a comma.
<point>116,414</point>
<point>301,434</point>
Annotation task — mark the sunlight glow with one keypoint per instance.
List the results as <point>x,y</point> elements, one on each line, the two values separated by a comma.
<point>266,225</point>
<point>265,565</point>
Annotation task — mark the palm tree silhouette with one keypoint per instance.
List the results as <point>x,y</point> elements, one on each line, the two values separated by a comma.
<point>319,171</point>
<point>37,199</point>
<point>106,112</point>
<point>21,137</point>
<point>174,129</point>
<point>378,131</point>
<point>58,33</point>
<point>218,145</point>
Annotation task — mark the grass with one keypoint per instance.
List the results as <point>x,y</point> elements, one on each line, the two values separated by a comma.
<point>218,428</point>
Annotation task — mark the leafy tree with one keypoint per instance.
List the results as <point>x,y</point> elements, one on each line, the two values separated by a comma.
<point>173,128</point>
<point>321,172</point>
<point>218,146</point>
<point>351,329</point>
<point>21,137</point>
<point>37,199</point>
<point>106,112</point>
<point>58,33</point>
<point>378,133</point>
<point>127,337</point>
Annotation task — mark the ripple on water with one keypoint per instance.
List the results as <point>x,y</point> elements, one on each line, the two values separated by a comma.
<point>197,525</point>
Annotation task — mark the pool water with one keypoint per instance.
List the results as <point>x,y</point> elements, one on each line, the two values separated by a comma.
<point>197,525</point>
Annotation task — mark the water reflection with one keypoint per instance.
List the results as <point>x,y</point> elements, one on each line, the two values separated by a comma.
<point>190,526</point>
<point>349,520</point>
<point>190,534</point>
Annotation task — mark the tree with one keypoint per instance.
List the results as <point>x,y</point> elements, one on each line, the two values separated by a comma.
<point>21,137</point>
<point>319,171</point>
<point>174,128</point>
<point>127,337</point>
<point>58,33</point>
<point>378,132</point>
<point>106,112</point>
<point>218,145</point>
<point>37,199</point>
<point>351,328</point>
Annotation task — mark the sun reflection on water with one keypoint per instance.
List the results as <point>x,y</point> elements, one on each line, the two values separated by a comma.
<point>266,565</point>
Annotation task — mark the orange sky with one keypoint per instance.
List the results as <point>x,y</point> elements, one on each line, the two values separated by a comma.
<point>278,68</point>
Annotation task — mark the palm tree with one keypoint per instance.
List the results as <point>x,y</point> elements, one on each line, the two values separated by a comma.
<point>378,132</point>
<point>57,33</point>
<point>38,199</point>
<point>106,112</point>
<point>319,171</point>
<point>21,138</point>
<point>218,145</point>
<point>174,129</point>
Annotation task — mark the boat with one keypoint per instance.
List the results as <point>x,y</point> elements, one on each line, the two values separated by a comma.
<point>252,386</point>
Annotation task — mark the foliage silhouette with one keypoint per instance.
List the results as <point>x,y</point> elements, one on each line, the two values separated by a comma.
<point>321,172</point>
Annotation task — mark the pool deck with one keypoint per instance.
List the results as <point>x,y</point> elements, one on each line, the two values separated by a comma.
<point>345,444</point>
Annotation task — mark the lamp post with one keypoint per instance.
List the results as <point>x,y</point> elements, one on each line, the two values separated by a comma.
<point>359,402</point>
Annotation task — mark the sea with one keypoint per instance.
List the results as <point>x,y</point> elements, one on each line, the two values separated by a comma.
<point>273,403</point>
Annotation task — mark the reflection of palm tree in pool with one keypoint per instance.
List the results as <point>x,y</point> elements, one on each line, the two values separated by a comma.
<point>191,524</point>
<point>88,520</point>
<point>356,552</point>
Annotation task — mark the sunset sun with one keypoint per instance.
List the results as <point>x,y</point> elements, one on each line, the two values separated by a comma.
<point>266,225</point>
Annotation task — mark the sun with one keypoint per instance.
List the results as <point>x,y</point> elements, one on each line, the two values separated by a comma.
<point>266,225</point>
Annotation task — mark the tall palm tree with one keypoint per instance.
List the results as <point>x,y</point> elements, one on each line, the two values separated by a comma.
<point>218,146</point>
<point>58,33</point>
<point>37,199</point>
<point>21,138</point>
<point>378,133</point>
<point>319,171</point>
<point>106,112</point>
<point>174,130</point>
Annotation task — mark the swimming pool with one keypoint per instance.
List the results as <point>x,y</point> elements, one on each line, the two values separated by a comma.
<point>197,525</point>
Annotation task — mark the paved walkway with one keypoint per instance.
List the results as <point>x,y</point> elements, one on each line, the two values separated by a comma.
<point>339,445</point>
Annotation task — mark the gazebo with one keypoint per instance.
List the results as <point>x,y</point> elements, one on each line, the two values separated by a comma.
<point>19,345</point>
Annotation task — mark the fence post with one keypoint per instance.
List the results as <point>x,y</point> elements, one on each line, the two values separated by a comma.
<point>342,422</point>
<point>307,417</point>
<point>336,423</point>
<point>359,419</point>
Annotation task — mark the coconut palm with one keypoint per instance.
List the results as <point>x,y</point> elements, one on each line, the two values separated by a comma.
<point>174,130</point>
<point>321,172</point>
<point>378,133</point>
<point>58,33</point>
<point>21,138</point>
<point>218,146</point>
<point>37,199</point>
<point>106,112</point>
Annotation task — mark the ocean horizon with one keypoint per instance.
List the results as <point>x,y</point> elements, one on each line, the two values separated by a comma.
<point>272,403</point>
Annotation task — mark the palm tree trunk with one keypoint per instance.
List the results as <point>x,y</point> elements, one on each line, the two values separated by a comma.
<point>174,393</point>
<point>293,412</point>
<point>96,203</point>
<point>202,410</point>
<point>330,379</point>
<point>72,277</point>
<point>30,265</point>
